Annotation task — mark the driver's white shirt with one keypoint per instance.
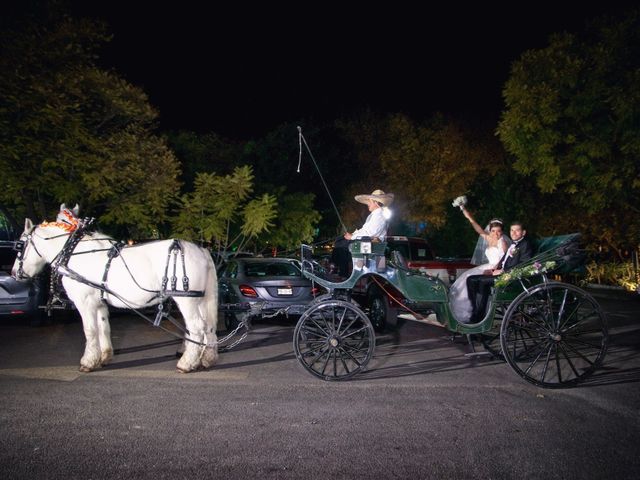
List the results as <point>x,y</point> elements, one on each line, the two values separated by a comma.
<point>375,226</point>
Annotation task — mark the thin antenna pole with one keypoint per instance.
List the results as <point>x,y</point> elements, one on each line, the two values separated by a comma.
<point>301,140</point>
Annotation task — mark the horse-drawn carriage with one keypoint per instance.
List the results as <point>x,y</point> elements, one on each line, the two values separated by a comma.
<point>553,334</point>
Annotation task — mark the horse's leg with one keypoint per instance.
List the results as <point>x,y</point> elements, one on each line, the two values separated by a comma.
<point>104,334</point>
<point>210,354</point>
<point>91,358</point>
<point>209,311</point>
<point>192,357</point>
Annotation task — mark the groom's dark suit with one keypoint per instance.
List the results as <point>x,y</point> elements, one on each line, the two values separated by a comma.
<point>479,286</point>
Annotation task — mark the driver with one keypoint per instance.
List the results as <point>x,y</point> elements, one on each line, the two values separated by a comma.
<point>377,222</point>
<point>375,227</point>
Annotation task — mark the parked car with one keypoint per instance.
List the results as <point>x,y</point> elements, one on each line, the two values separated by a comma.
<point>17,297</point>
<point>417,253</point>
<point>220,258</point>
<point>272,284</point>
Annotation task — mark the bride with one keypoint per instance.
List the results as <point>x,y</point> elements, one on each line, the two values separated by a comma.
<point>496,245</point>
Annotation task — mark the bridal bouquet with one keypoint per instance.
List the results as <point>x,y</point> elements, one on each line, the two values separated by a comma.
<point>460,201</point>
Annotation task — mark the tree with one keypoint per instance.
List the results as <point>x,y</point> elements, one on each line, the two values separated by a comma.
<point>296,222</point>
<point>220,211</point>
<point>367,134</point>
<point>572,121</point>
<point>72,132</point>
<point>202,153</point>
<point>275,158</point>
<point>432,163</point>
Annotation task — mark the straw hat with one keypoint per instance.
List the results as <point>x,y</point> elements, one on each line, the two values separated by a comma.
<point>385,199</point>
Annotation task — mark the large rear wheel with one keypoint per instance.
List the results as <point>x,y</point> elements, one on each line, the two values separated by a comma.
<point>554,335</point>
<point>334,340</point>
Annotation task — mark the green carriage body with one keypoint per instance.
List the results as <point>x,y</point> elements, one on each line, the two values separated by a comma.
<point>525,316</point>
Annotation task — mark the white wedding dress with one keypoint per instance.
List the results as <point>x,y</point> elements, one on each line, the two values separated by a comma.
<point>458,295</point>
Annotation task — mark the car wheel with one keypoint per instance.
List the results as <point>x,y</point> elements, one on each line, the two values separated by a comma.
<point>378,310</point>
<point>230,321</point>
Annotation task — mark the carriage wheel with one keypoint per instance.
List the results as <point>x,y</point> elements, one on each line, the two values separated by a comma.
<point>491,339</point>
<point>378,311</point>
<point>334,340</point>
<point>327,296</point>
<point>554,335</point>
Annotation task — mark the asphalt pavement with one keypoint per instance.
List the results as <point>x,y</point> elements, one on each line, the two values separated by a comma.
<point>421,410</point>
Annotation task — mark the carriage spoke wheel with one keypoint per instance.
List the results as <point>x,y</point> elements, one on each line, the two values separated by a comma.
<point>554,335</point>
<point>334,340</point>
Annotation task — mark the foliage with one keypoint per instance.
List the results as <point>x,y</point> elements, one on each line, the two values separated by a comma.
<point>72,132</point>
<point>366,135</point>
<point>613,273</point>
<point>431,163</point>
<point>518,273</point>
<point>275,159</point>
<point>572,120</point>
<point>426,164</point>
<point>296,222</point>
<point>204,153</point>
<point>220,210</point>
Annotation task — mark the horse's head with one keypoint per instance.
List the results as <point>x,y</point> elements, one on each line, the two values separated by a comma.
<point>39,244</point>
<point>68,216</point>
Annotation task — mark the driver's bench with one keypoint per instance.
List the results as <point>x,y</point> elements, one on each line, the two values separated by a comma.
<point>368,255</point>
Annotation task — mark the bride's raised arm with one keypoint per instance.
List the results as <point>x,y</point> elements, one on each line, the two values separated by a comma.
<point>479,230</point>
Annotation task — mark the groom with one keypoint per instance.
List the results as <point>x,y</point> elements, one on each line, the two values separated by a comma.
<point>479,286</point>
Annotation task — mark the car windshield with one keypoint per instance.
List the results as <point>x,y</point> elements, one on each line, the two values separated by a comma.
<point>274,269</point>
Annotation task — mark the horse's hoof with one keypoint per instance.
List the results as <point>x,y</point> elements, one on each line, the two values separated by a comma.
<point>180,370</point>
<point>106,357</point>
<point>84,369</point>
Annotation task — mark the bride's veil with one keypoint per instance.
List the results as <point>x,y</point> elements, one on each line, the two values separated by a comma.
<point>479,257</point>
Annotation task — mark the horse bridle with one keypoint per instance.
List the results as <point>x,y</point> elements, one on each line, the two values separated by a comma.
<point>21,246</point>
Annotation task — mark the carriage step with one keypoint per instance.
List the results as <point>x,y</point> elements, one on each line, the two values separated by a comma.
<point>188,293</point>
<point>430,319</point>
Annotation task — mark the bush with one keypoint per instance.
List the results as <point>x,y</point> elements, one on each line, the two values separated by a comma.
<point>612,273</point>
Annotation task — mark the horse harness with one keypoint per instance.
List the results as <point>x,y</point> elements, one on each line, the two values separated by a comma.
<point>59,269</point>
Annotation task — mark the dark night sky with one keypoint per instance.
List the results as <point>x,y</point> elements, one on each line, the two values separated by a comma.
<point>240,71</point>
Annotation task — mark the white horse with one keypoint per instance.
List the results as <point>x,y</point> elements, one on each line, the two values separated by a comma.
<point>135,276</point>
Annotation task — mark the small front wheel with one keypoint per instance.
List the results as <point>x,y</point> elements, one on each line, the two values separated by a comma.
<point>554,335</point>
<point>334,340</point>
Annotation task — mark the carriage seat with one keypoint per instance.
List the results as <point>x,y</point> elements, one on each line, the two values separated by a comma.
<point>399,261</point>
<point>368,254</point>
<point>563,249</point>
